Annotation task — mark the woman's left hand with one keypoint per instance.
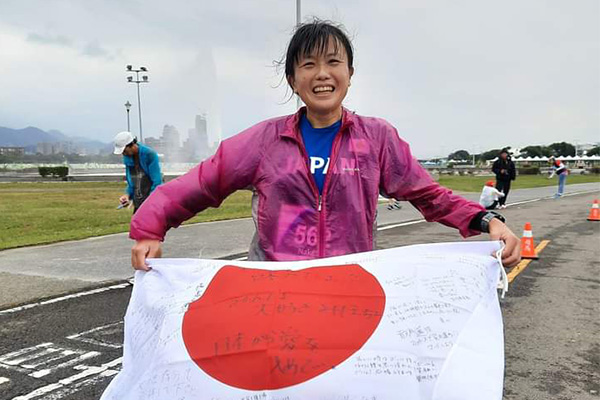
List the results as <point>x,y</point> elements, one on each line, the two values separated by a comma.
<point>511,255</point>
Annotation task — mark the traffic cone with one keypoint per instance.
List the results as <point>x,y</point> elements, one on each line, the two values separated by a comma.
<point>527,245</point>
<point>594,212</point>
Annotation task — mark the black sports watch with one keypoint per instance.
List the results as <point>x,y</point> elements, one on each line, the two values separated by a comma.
<point>487,218</point>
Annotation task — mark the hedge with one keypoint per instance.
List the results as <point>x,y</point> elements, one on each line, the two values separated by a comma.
<point>56,172</point>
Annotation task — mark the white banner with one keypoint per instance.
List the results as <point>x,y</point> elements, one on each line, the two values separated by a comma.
<point>418,323</point>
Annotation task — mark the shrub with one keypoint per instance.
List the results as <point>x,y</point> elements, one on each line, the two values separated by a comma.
<point>56,172</point>
<point>44,171</point>
<point>595,170</point>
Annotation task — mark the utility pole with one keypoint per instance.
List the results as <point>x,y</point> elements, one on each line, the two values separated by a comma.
<point>137,81</point>
<point>298,21</point>
<point>128,107</point>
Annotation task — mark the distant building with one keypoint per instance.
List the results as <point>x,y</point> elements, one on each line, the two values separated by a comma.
<point>196,146</point>
<point>12,151</point>
<point>46,148</point>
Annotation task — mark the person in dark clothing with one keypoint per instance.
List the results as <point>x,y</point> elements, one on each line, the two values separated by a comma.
<point>505,172</point>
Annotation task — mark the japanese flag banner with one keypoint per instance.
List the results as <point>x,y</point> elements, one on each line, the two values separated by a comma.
<point>418,323</point>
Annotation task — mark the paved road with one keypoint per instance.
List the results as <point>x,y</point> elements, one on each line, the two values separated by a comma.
<point>70,349</point>
<point>35,272</point>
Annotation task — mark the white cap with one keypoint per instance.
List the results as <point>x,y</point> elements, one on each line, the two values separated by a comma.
<point>122,139</point>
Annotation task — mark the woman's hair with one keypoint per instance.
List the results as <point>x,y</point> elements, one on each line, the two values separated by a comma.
<point>314,36</point>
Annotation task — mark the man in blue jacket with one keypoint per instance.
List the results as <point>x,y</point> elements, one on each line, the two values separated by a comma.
<point>142,169</point>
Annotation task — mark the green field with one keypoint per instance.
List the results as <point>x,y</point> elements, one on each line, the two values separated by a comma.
<point>39,213</point>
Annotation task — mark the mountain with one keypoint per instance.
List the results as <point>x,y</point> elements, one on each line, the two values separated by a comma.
<point>29,138</point>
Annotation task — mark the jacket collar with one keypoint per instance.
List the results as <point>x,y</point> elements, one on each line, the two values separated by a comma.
<point>292,123</point>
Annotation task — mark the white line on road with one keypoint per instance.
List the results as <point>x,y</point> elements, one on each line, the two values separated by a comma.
<point>62,298</point>
<point>97,342</point>
<point>77,360</point>
<point>29,353</point>
<point>91,373</point>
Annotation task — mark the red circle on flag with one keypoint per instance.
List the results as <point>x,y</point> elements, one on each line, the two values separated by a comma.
<point>257,329</point>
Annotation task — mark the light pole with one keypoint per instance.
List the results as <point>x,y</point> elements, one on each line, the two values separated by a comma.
<point>298,20</point>
<point>128,107</point>
<point>137,81</point>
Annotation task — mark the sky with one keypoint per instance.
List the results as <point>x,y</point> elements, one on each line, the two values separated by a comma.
<point>449,75</point>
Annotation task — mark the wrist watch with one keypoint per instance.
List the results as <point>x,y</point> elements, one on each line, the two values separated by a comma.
<point>487,218</point>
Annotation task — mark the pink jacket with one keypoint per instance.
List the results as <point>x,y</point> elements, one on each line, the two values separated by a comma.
<point>293,222</point>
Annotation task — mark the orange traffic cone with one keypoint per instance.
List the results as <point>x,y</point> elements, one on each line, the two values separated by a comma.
<point>527,245</point>
<point>594,212</point>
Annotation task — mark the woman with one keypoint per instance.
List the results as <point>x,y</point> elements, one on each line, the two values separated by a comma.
<point>316,174</point>
<point>558,168</point>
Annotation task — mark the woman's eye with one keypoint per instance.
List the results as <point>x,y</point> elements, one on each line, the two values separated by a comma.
<point>308,64</point>
<point>334,61</point>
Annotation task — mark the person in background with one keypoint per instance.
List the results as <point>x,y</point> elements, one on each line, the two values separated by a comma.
<point>505,172</point>
<point>558,168</point>
<point>142,169</point>
<point>489,196</point>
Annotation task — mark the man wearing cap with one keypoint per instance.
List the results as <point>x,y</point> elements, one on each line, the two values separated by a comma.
<point>142,169</point>
<point>505,172</point>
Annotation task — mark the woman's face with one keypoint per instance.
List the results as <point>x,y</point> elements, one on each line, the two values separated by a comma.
<point>322,80</point>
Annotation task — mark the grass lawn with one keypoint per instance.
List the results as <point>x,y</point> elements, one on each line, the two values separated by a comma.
<point>39,213</point>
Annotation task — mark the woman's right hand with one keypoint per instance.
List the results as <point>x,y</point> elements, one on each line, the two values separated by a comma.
<point>143,249</point>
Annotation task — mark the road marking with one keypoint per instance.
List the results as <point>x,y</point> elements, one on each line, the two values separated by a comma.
<point>19,356</point>
<point>386,227</point>
<point>111,328</point>
<point>63,298</point>
<point>524,263</point>
<point>45,355</point>
<point>3,380</point>
<point>69,385</point>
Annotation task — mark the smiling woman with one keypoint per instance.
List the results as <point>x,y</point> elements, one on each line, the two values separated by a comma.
<point>316,174</point>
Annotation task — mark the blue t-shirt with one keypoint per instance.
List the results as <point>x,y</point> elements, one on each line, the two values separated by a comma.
<point>318,143</point>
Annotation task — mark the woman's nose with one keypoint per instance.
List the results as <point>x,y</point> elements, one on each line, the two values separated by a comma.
<point>322,71</point>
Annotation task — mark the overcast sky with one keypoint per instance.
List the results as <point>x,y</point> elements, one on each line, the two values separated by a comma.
<point>472,74</point>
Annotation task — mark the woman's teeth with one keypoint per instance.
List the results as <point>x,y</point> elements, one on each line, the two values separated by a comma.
<point>323,89</point>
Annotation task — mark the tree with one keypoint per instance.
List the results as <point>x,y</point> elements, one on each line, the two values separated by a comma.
<point>536,151</point>
<point>459,155</point>
<point>490,154</point>
<point>562,149</point>
<point>594,151</point>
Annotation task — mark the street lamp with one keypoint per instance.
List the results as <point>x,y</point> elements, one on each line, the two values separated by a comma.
<point>128,107</point>
<point>137,81</point>
<point>298,21</point>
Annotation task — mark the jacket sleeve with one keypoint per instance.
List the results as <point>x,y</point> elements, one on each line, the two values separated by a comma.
<point>233,167</point>
<point>154,170</point>
<point>403,178</point>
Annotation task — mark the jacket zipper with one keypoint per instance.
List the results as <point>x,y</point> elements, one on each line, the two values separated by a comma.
<point>313,185</point>
<point>333,159</point>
